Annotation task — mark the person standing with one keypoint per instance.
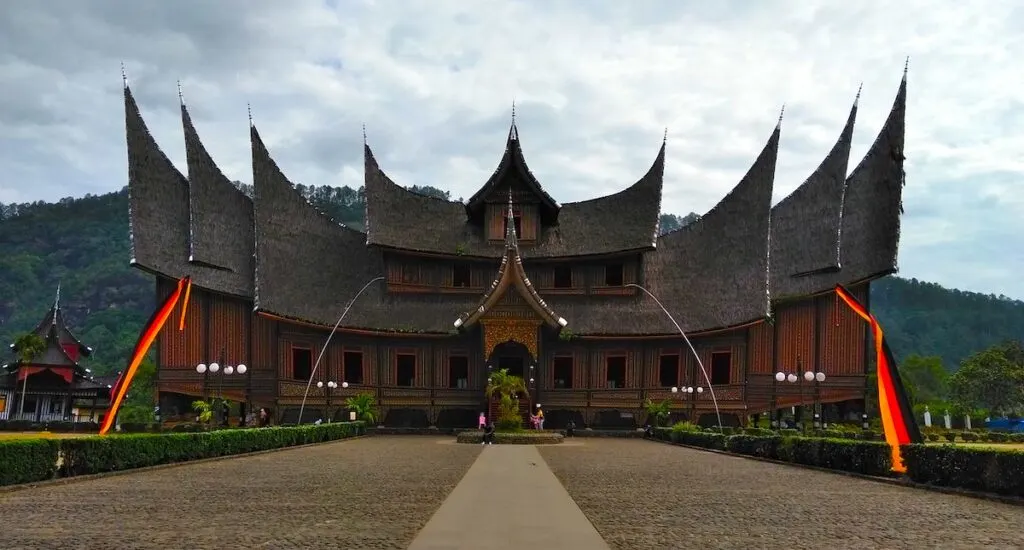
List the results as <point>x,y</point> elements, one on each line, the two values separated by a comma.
<point>570,429</point>
<point>540,417</point>
<point>488,435</point>
<point>482,421</point>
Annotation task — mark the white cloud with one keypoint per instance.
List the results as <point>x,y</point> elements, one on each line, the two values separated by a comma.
<point>595,84</point>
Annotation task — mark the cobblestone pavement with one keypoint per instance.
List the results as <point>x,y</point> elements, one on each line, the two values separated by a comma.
<point>647,495</point>
<point>369,493</point>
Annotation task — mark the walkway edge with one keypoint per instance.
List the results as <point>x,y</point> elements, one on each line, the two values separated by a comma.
<point>899,481</point>
<point>73,479</point>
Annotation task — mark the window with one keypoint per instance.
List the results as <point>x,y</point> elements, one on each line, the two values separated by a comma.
<point>405,367</point>
<point>461,275</point>
<point>458,372</point>
<point>302,363</point>
<point>517,222</point>
<point>353,365</point>
<point>721,365</point>
<point>28,405</point>
<point>562,368</point>
<point>55,405</point>
<point>3,403</point>
<point>668,372</point>
<point>613,275</point>
<point>563,276</point>
<point>616,376</point>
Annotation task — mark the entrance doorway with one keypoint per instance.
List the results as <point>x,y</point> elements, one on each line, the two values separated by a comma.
<point>512,356</point>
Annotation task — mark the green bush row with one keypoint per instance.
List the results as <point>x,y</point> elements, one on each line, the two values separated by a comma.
<point>971,436</point>
<point>56,426</point>
<point>979,469</point>
<point>864,457</point>
<point>30,460</point>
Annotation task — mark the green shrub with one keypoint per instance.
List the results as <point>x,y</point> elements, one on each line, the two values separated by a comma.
<point>932,436</point>
<point>526,437</point>
<point>28,460</point>
<point>997,437</point>
<point>950,436</point>
<point>685,427</point>
<point>990,470</point>
<point>90,455</point>
<point>763,432</point>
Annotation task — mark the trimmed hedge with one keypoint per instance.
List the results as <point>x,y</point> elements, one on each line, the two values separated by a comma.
<point>864,457</point>
<point>28,460</point>
<point>513,438</point>
<point>31,460</point>
<point>979,469</point>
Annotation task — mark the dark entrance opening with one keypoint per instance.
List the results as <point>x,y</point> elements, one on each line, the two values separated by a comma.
<point>512,356</point>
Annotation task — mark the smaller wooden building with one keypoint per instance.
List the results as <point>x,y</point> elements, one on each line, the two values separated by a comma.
<point>53,386</point>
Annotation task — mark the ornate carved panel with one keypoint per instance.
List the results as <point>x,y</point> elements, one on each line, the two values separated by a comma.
<point>499,331</point>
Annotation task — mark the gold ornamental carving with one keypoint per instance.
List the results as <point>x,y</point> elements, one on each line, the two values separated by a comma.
<point>499,331</point>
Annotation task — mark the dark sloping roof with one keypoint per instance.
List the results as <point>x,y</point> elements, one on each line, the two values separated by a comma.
<point>55,319</point>
<point>158,200</point>
<point>806,225</point>
<point>510,275</point>
<point>221,221</point>
<point>871,210</point>
<point>627,220</point>
<point>512,162</point>
<point>54,355</point>
<point>308,267</point>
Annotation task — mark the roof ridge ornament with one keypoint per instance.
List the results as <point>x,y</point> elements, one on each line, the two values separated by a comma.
<point>248,108</point>
<point>181,97</point>
<point>56,303</point>
<point>906,67</point>
<point>664,137</point>
<point>781,113</point>
<point>856,100</point>
<point>124,76</point>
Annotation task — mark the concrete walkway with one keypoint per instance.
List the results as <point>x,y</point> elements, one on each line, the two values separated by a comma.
<point>508,499</point>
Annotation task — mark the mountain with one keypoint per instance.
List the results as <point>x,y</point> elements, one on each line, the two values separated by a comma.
<point>82,245</point>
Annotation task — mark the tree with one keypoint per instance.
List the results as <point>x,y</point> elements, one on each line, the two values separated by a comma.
<point>925,378</point>
<point>992,379</point>
<point>506,388</point>
<point>657,411</point>
<point>364,405</point>
<point>28,346</point>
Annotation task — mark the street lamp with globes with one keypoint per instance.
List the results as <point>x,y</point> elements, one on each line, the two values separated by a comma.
<point>692,392</point>
<point>817,378</point>
<point>780,377</point>
<point>329,388</point>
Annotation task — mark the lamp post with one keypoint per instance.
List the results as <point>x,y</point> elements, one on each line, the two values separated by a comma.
<point>691,393</point>
<point>817,378</point>
<point>328,342</point>
<point>329,388</point>
<point>227,370</point>
<point>531,385</point>
<point>776,418</point>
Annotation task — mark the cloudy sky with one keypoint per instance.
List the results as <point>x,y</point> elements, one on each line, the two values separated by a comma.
<point>595,84</point>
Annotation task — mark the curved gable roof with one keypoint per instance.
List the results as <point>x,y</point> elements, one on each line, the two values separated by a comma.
<point>513,161</point>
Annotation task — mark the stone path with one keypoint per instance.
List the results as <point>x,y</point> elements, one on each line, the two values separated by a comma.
<point>509,499</point>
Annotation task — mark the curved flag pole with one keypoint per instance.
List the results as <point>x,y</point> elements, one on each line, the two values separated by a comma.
<point>149,333</point>
<point>893,406</point>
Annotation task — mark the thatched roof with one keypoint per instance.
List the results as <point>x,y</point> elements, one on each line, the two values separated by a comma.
<point>624,221</point>
<point>513,163</point>
<point>221,221</point>
<point>158,200</point>
<point>511,275</point>
<point>806,225</point>
<point>713,273</point>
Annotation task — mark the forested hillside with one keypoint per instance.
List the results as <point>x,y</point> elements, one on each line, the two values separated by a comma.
<point>82,244</point>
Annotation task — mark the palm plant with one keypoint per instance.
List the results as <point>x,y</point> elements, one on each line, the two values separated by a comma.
<point>506,387</point>
<point>203,410</point>
<point>657,411</point>
<point>364,405</point>
<point>29,346</point>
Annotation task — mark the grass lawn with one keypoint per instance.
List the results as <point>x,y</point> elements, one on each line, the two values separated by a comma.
<point>7,436</point>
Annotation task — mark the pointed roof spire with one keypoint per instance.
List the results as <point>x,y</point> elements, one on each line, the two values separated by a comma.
<point>510,226</point>
<point>181,98</point>
<point>364,134</point>
<point>664,138</point>
<point>56,302</point>
<point>124,76</point>
<point>513,132</point>
<point>248,107</point>
<point>906,66</point>
<point>781,113</point>
<point>856,100</point>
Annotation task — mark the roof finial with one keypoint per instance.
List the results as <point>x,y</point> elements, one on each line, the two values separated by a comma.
<point>510,226</point>
<point>856,100</point>
<point>782,112</point>
<point>364,133</point>
<point>664,138</point>
<point>513,111</point>
<point>181,98</point>
<point>124,76</point>
<point>56,301</point>
<point>906,66</point>
<point>248,107</point>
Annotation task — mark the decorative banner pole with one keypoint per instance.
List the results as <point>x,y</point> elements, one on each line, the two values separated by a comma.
<point>711,388</point>
<point>893,406</point>
<point>149,333</point>
<point>327,343</point>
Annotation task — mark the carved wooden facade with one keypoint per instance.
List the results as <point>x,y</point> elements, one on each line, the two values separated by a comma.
<point>580,376</point>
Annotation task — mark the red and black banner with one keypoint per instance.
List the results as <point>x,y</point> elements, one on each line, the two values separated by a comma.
<point>893,405</point>
<point>149,332</point>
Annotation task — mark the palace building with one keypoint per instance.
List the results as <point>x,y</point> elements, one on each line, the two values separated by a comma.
<point>511,278</point>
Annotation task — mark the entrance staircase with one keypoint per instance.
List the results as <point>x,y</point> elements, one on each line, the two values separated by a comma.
<point>524,411</point>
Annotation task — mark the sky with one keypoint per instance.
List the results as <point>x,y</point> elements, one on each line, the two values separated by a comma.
<point>595,86</point>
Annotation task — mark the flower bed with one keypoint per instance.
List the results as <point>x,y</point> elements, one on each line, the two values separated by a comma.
<point>26,461</point>
<point>513,438</point>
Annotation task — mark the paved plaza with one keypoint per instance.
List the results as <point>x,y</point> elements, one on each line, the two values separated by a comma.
<point>393,492</point>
